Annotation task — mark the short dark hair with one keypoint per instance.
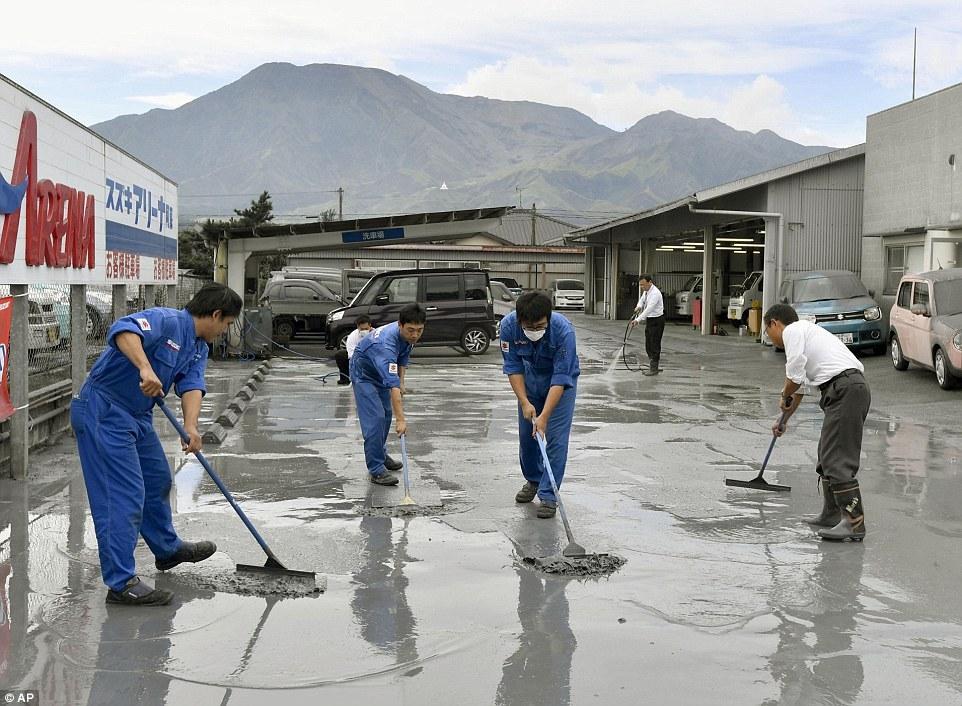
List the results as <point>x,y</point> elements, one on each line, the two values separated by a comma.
<point>532,307</point>
<point>412,314</point>
<point>646,277</point>
<point>215,297</point>
<point>362,319</point>
<point>780,312</point>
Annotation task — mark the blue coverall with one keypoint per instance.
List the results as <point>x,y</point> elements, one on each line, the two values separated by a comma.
<point>375,368</point>
<point>551,361</point>
<point>125,470</point>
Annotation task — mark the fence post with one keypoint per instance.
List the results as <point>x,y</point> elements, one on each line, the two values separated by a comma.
<point>78,335</point>
<point>172,296</point>
<point>19,382</point>
<point>150,296</point>
<point>119,293</point>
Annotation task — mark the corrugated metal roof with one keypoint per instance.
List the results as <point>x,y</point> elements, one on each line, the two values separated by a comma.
<point>515,228</point>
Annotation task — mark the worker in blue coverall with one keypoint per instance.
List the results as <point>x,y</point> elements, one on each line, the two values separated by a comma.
<point>541,362</point>
<point>125,470</point>
<point>377,371</point>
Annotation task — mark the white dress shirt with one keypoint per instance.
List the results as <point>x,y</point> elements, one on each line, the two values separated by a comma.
<point>353,338</point>
<point>814,356</point>
<point>650,304</point>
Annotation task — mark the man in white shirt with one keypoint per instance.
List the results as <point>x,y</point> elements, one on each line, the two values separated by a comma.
<point>816,358</point>
<point>651,310</point>
<point>343,356</point>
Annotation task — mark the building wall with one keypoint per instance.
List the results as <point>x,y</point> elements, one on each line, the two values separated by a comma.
<point>822,211</point>
<point>909,180</point>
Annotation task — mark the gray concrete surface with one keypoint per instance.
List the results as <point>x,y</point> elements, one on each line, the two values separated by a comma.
<point>727,597</point>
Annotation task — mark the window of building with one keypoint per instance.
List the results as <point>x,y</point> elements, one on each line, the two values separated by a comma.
<point>899,261</point>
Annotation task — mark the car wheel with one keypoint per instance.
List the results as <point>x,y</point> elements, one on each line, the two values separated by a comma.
<point>898,360</point>
<point>284,329</point>
<point>475,340</point>
<point>93,322</point>
<point>497,326</point>
<point>942,373</point>
<point>342,341</point>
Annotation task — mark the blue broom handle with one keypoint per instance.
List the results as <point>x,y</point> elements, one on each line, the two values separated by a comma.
<point>214,477</point>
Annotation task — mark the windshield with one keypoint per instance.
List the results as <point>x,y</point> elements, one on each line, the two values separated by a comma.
<point>690,284</point>
<point>508,282</point>
<point>569,284</point>
<point>948,297</point>
<point>751,280</point>
<point>842,286</point>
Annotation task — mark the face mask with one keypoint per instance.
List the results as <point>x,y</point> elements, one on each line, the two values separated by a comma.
<point>533,336</point>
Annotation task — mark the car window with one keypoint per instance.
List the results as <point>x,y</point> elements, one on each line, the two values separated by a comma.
<point>840,286</point>
<point>948,297</point>
<point>509,282</point>
<point>402,290</point>
<point>474,287</point>
<point>689,285</point>
<point>920,295</point>
<point>442,288</point>
<point>298,291</point>
<point>570,284</point>
<point>905,295</point>
<point>785,291</point>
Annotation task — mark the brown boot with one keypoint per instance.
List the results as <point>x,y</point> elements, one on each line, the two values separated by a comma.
<point>852,525</point>
<point>831,515</point>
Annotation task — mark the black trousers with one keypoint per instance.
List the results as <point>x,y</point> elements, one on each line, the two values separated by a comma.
<point>845,400</point>
<point>654,330</point>
<point>342,364</point>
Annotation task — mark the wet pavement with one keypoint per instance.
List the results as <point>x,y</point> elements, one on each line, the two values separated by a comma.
<point>726,597</point>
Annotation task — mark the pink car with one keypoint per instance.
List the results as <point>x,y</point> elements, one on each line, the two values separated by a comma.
<point>925,324</point>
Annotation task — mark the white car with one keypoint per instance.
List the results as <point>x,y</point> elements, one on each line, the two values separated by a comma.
<point>568,294</point>
<point>41,317</point>
<point>503,302</point>
<point>742,297</point>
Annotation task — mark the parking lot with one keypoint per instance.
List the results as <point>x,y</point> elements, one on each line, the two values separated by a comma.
<point>727,596</point>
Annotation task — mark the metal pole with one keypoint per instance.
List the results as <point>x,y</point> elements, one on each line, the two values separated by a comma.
<point>150,296</point>
<point>78,336</point>
<point>340,203</point>
<point>119,301</point>
<point>915,45</point>
<point>172,296</point>
<point>19,382</point>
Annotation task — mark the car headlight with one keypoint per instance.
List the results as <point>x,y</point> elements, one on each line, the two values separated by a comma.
<point>337,316</point>
<point>811,318</point>
<point>957,340</point>
<point>873,313</point>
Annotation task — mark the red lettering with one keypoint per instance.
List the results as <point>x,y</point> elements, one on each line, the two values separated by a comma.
<point>24,167</point>
<point>60,220</point>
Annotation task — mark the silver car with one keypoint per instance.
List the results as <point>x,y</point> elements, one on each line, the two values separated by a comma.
<point>925,324</point>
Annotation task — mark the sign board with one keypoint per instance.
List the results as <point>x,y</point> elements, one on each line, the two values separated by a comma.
<point>372,236</point>
<point>74,208</point>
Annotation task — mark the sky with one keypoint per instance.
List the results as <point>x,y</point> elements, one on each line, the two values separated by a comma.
<point>810,71</point>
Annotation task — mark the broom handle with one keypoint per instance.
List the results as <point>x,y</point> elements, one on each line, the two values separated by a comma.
<point>781,426</point>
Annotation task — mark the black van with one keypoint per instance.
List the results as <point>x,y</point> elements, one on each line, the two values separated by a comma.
<point>458,302</point>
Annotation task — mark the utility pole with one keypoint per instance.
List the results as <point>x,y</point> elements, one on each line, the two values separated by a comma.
<point>915,47</point>
<point>340,203</point>
<point>519,189</point>
<point>534,239</point>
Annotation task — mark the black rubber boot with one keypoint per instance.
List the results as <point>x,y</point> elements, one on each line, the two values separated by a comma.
<point>830,515</point>
<point>136,592</point>
<point>527,493</point>
<point>189,551</point>
<point>391,464</point>
<point>547,510</point>
<point>852,525</point>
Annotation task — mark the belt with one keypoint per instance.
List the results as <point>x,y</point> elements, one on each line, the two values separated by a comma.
<point>844,374</point>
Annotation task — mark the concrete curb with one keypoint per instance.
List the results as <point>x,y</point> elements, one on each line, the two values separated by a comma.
<point>217,432</point>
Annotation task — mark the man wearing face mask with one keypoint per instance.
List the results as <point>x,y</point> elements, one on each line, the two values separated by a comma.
<point>343,356</point>
<point>541,362</point>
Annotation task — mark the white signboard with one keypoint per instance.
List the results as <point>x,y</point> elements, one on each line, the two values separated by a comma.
<point>75,209</point>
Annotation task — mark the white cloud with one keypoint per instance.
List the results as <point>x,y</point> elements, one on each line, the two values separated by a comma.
<point>167,100</point>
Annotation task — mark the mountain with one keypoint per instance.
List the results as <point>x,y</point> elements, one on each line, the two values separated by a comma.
<point>302,131</point>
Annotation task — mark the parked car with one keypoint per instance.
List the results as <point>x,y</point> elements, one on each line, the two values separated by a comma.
<point>99,312</point>
<point>925,324</point>
<point>685,297</point>
<point>837,301</point>
<point>298,306</point>
<point>740,302</point>
<point>458,303</point>
<point>511,283</point>
<point>568,294</point>
<point>344,283</point>
<point>41,319</point>
<point>504,302</point>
